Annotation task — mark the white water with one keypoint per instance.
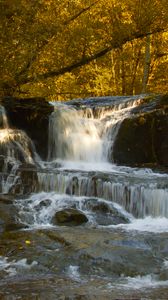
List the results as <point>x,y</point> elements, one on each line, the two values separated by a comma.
<point>16,143</point>
<point>38,210</point>
<point>141,198</point>
<point>76,135</point>
<point>11,268</point>
<point>148,224</point>
<point>16,148</point>
<point>72,137</point>
<point>79,175</point>
<point>82,140</point>
<point>3,118</point>
<point>139,283</point>
<point>73,272</point>
<point>80,154</point>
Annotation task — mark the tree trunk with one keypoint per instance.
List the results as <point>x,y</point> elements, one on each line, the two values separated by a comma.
<point>146,64</point>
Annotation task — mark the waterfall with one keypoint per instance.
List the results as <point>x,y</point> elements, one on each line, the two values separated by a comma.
<point>80,156</point>
<point>74,137</point>
<point>16,148</point>
<point>3,118</point>
<point>78,225</point>
<point>141,198</point>
<point>85,134</point>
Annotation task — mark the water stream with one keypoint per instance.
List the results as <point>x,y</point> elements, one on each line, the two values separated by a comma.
<point>120,251</point>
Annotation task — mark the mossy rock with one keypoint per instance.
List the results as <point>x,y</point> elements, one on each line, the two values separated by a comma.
<point>143,139</point>
<point>134,141</point>
<point>70,217</point>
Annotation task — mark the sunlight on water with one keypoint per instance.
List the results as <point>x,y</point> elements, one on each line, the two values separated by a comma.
<point>72,137</point>
<point>4,135</point>
<point>77,136</point>
<point>3,118</point>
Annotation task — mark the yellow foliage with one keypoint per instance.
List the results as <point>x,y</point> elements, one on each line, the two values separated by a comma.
<point>51,35</point>
<point>27,242</point>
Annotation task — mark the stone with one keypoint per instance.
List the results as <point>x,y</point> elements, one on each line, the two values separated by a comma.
<point>69,216</point>
<point>105,215</point>
<point>142,138</point>
<point>9,215</point>
<point>43,203</point>
<point>32,116</point>
<point>2,163</point>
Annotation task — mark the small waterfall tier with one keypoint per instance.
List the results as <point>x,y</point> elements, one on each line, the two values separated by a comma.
<point>16,149</point>
<point>141,194</point>
<point>87,132</point>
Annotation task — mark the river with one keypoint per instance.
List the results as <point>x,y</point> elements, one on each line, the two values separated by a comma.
<point>119,250</point>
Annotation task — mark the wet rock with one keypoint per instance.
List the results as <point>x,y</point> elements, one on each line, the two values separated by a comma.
<point>160,142</point>
<point>101,207</point>
<point>43,203</point>
<point>110,219</point>
<point>9,216</point>
<point>6,199</point>
<point>105,215</point>
<point>73,188</point>
<point>30,115</point>
<point>133,144</point>
<point>142,139</point>
<point>25,180</point>
<point>69,216</point>
<point>2,163</point>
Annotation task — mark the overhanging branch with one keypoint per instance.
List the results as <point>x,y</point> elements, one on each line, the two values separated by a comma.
<point>87,59</point>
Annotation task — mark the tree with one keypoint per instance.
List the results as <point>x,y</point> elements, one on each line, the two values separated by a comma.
<point>53,44</point>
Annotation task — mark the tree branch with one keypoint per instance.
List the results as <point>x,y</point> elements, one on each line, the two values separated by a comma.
<point>80,13</point>
<point>37,52</point>
<point>87,59</point>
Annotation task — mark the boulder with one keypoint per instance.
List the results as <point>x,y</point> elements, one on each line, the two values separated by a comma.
<point>69,216</point>
<point>30,115</point>
<point>105,214</point>
<point>9,215</point>
<point>142,138</point>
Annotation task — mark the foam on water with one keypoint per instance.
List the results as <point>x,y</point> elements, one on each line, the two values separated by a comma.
<point>13,267</point>
<point>148,224</point>
<point>139,282</point>
<point>73,272</point>
<point>39,209</point>
<point>107,167</point>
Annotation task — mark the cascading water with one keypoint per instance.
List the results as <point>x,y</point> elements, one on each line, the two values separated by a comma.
<point>82,138</point>
<point>121,250</point>
<point>16,148</point>
<point>73,136</point>
<point>3,118</point>
<point>85,135</point>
